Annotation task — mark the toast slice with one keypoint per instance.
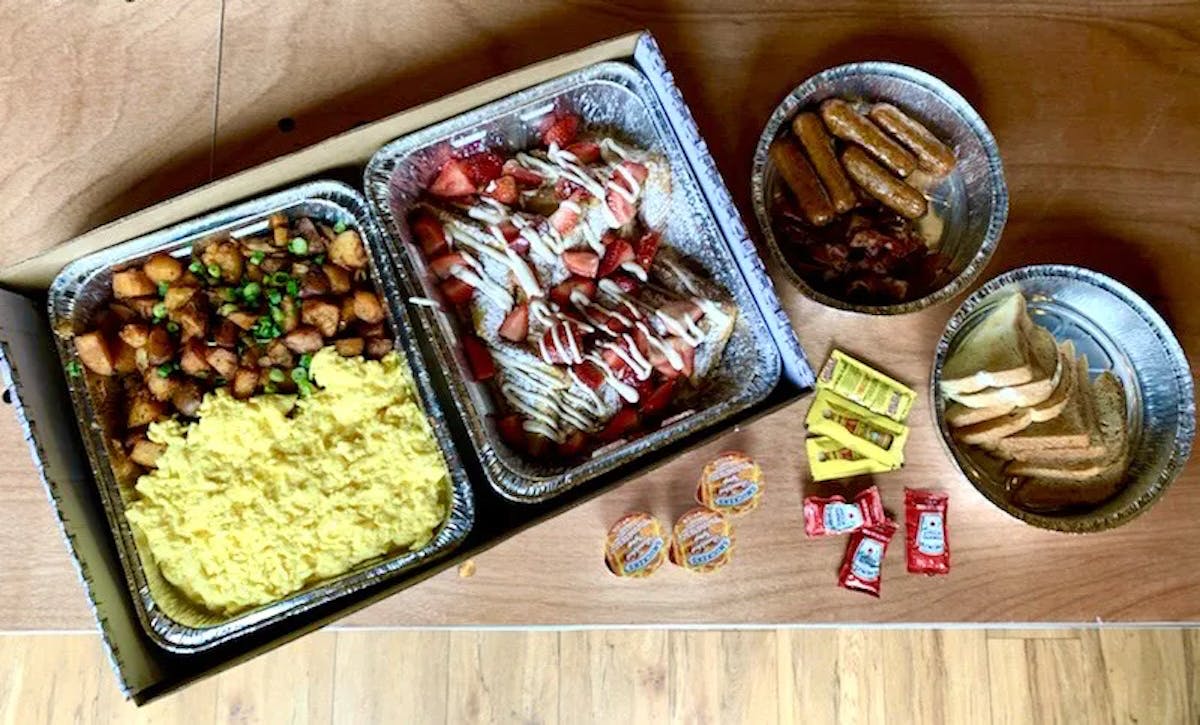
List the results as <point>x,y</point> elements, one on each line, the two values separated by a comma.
<point>960,416</point>
<point>990,432</point>
<point>1053,406</point>
<point>1048,494</point>
<point>1047,372</point>
<point>1109,403</point>
<point>995,354</point>
<point>1074,427</point>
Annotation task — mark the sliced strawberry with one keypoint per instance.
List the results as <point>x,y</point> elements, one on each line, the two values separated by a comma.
<point>620,425</point>
<point>512,430</point>
<point>682,309</point>
<point>561,292</point>
<point>572,445</point>
<point>581,262</point>
<point>483,167</point>
<point>565,218</point>
<point>618,366</point>
<point>626,282</point>
<point>614,323</point>
<point>503,190</point>
<point>567,189</point>
<point>537,445</point>
<point>512,235</point>
<point>589,375</point>
<point>622,210</point>
<point>445,264</point>
<point>452,181</point>
<point>559,128</point>
<point>429,233</point>
<point>629,169</point>
<point>646,248</point>
<point>586,152</point>
<point>524,176</point>
<point>618,252</point>
<point>479,358</point>
<point>658,399</point>
<point>456,291</point>
<point>560,342</point>
<point>516,324</point>
<point>686,352</point>
<point>639,339</point>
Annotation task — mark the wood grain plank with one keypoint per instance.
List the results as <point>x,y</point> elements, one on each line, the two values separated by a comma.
<point>616,676</point>
<point>499,677</point>
<point>1145,674</point>
<point>808,675</point>
<point>934,675</point>
<point>862,678</point>
<point>1044,633</point>
<point>293,684</point>
<point>391,677</point>
<point>116,112</point>
<point>724,676</point>
<point>1056,666</point>
<point>1008,680</point>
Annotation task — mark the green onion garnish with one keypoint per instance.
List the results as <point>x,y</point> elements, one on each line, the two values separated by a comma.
<point>319,259</point>
<point>162,289</point>
<point>299,375</point>
<point>305,389</point>
<point>214,270</point>
<point>279,278</point>
<point>227,309</point>
<point>274,296</point>
<point>276,375</point>
<point>74,369</point>
<point>269,388</point>
<point>195,268</point>
<point>306,360</point>
<point>172,326</point>
<point>158,311</point>
<point>339,227</point>
<point>229,294</point>
<point>293,288</point>
<point>164,370</point>
<point>299,245</point>
<point>250,291</point>
<point>257,257</point>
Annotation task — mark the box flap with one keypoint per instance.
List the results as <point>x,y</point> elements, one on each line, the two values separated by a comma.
<point>28,374</point>
<point>353,147</point>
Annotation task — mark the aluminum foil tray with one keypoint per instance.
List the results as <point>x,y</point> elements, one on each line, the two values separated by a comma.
<point>616,98</point>
<point>1117,331</point>
<point>79,291</point>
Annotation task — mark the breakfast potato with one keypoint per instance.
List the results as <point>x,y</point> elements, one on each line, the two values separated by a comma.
<point>163,268</point>
<point>144,409</point>
<point>338,279</point>
<point>135,334</point>
<point>321,314</point>
<point>304,339</point>
<point>227,258</point>
<point>314,283</point>
<point>377,347</point>
<point>159,346</point>
<point>161,388</point>
<point>193,359</point>
<point>132,283</point>
<point>347,250</point>
<point>367,307</point>
<point>187,397</point>
<point>177,297</point>
<point>124,357</point>
<point>93,352</point>
<point>349,347</point>
<point>245,380</point>
<point>145,452</point>
<point>279,355</point>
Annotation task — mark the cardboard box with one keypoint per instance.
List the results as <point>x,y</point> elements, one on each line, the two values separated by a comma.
<point>30,372</point>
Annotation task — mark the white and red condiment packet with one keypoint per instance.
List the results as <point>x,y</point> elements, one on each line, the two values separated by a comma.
<point>927,548</point>
<point>834,515</point>
<point>862,567</point>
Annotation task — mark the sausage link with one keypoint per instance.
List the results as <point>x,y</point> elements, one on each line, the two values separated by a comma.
<point>846,123</point>
<point>879,183</point>
<point>932,155</point>
<point>819,146</point>
<point>802,180</point>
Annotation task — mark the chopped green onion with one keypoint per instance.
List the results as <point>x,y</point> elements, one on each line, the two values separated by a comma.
<point>306,360</point>
<point>299,245</point>
<point>269,388</point>
<point>74,369</point>
<point>319,259</point>
<point>277,315</point>
<point>250,291</point>
<point>195,268</point>
<point>229,294</point>
<point>299,375</point>
<point>305,388</point>
<point>158,311</point>
<point>162,289</point>
<point>164,370</point>
<point>339,227</point>
<point>214,270</point>
<point>172,326</point>
<point>279,278</point>
<point>293,288</point>
<point>276,375</point>
<point>257,257</point>
<point>274,296</point>
<point>219,381</point>
<point>227,309</point>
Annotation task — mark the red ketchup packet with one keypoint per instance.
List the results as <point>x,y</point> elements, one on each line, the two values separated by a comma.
<point>927,548</point>
<point>832,516</point>
<point>864,558</point>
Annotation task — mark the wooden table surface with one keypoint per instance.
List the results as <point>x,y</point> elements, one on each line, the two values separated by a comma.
<point>112,106</point>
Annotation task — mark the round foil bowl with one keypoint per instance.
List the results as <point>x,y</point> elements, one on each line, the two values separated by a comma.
<point>972,201</point>
<point>1118,332</point>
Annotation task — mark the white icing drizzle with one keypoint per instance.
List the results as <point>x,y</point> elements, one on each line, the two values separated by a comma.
<point>684,277</point>
<point>485,285</point>
<point>636,270</point>
<point>627,392</point>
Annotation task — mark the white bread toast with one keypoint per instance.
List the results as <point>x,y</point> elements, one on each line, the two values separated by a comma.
<point>1047,369</point>
<point>995,353</point>
<point>990,432</point>
<point>1074,427</point>
<point>1109,404</point>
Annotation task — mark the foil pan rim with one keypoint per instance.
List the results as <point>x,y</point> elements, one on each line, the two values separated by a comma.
<point>536,489</point>
<point>1080,523</point>
<point>164,631</point>
<point>799,97</point>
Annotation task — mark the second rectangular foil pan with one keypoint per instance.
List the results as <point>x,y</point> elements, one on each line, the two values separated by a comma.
<point>617,98</point>
<point>84,286</point>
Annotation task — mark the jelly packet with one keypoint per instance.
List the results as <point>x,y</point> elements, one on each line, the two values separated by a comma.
<point>832,516</point>
<point>703,540</point>
<point>866,433</point>
<point>731,483</point>
<point>635,546</point>
<point>927,549</point>
<point>866,386</point>
<point>828,459</point>
<point>862,567</point>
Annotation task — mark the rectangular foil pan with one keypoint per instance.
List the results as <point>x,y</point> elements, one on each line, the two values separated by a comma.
<point>617,98</point>
<point>79,291</point>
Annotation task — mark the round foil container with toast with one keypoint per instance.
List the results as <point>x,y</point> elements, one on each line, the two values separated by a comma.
<point>972,200</point>
<point>1117,331</point>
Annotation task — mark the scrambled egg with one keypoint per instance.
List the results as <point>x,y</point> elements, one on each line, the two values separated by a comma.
<point>262,497</point>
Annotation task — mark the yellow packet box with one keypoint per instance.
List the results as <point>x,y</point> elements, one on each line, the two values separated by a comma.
<point>866,433</point>
<point>862,384</point>
<point>828,459</point>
